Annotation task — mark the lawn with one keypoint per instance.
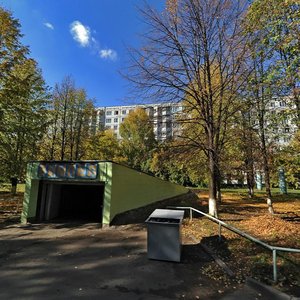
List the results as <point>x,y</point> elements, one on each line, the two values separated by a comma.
<point>244,257</point>
<point>6,187</point>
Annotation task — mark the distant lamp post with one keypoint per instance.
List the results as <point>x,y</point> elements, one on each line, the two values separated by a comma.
<point>258,179</point>
<point>282,181</point>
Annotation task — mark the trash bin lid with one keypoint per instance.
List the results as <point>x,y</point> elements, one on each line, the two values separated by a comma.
<point>166,214</point>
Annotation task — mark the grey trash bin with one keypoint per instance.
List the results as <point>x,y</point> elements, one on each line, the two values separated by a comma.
<point>164,234</point>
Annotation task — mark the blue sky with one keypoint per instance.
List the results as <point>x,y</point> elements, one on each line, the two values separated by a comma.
<point>86,39</point>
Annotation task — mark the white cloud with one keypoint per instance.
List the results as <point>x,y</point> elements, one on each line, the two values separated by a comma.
<point>80,33</point>
<point>108,54</point>
<point>49,25</point>
<point>83,35</point>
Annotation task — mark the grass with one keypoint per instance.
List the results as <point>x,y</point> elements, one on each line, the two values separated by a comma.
<point>6,187</point>
<point>244,191</point>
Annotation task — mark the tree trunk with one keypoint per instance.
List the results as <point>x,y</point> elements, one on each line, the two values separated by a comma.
<point>266,171</point>
<point>250,184</point>
<point>212,202</point>
<point>78,137</point>
<point>250,174</point>
<point>218,183</point>
<point>53,140</point>
<point>64,127</point>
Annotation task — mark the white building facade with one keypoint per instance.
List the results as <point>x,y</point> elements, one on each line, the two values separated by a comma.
<point>163,116</point>
<point>279,125</point>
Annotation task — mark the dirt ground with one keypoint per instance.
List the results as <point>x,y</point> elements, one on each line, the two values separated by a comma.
<point>246,258</point>
<point>10,207</point>
<point>69,260</point>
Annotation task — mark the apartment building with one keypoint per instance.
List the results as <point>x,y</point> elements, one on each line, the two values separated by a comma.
<point>163,116</point>
<point>280,126</point>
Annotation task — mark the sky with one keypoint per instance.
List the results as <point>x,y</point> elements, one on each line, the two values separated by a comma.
<point>86,39</point>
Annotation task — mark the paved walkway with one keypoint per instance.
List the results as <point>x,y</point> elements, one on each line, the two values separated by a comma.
<point>82,261</point>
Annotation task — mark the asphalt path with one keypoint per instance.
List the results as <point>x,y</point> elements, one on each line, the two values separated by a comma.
<point>70,261</point>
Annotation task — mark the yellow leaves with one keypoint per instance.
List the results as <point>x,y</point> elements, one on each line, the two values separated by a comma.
<point>273,228</point>
<point>172,6</point>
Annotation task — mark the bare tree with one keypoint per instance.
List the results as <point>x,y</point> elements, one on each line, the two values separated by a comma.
<point>194,51</point>
<point>70,123</point>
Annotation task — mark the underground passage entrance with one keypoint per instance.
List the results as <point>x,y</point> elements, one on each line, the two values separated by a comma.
<point>88,191</point>
<point>72,201</point>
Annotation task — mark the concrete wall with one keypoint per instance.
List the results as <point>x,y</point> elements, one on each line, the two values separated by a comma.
<point>105,175</point>
<point>31,193</point>
<point>132,189</point>
<point>125,189</point>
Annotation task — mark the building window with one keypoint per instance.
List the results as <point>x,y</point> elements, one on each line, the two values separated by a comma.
<point>115,120</point>
<point>272,104</point>
<point>115,127</point>
<point>123,119</point>
<point>116,112</point>
<point>124,112</point>
<point>282,103</point>
<point>108,113</point>
<point>108,121</point>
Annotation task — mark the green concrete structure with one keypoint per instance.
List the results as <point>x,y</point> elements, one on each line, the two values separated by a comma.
<point>92,190</point>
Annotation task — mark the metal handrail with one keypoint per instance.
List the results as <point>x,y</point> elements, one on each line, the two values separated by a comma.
<point>274,249</point>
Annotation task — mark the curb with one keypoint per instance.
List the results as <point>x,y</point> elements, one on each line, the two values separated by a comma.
<point>268,291</point>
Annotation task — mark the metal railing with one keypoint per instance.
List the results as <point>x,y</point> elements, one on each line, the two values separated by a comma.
<point>274,249</point>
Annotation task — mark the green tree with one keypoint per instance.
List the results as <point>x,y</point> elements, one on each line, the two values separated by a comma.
<point>171,161</point>
<point>287,158</point>
<point>12,52</point>
<point>25,119</point>
<point>103,145</point>
<point>23,100</point>
<point>138,139</point>
<point>274,59</point>
<point>278,24</point>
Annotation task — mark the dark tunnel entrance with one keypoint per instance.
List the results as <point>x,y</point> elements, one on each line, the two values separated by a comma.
<point>71,201</point>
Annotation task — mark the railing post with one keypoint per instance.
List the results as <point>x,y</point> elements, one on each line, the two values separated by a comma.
<point>220,232</point>
<point>191,215</point>
<point>274,265</point>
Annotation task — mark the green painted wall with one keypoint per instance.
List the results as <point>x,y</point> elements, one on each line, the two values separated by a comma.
<point>31,193</point>
<point>125,189</point>
<point>105,175</point>
<point>132,189</point>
